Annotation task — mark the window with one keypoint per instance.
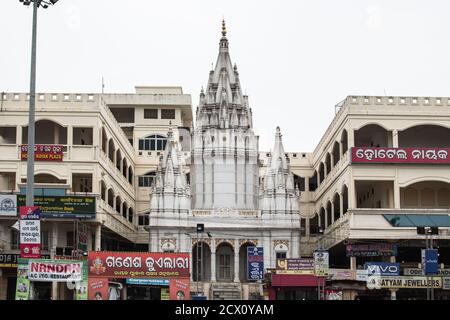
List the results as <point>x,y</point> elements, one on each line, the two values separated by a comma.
<point>147,180</point>
<point>167,113</point>
<point>44,240</point>
<point>69,239</point>
<point>83,136</point>
<point>14,240</point>
<point>153,143</point>
<point>54,97</point>
<point>281,255</point>
<point>144,220</point>
<point>66,97</point>
<point>150,113</point>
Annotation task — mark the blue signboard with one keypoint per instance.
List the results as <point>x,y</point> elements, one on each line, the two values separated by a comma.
<point>148,282</point>
<point>255,263</point>
<point>382,268</point>
<point>430,261</point>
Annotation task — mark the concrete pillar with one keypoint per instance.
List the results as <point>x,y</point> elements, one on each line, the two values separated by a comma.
<point>352,194</point>
<point>353,263</point>
<point>98,237</point>
<point>395,138</point>
<point>213,262</point>
<point>341,204</point>
<point>319,219</point>
<point>56,134</point>
<point>19,135</point>
<point>306,184</point>
<point>236,261</point>
<point>396,195</point>
<point>332,213</point>
<point>393,294</point>
<point>340,149</point>
<point>351,138</point>
<point>326,217</point>
<point>307,224</point>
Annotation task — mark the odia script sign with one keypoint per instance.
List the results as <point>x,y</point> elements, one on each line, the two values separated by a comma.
<point>54,271</point>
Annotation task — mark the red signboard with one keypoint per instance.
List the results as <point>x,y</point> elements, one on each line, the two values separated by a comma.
<point>401,155</point>
<point>138,265</point>
<point>179,289</point>
<point>98,289</point>
<point>43,152</point>
<point>30,232</point>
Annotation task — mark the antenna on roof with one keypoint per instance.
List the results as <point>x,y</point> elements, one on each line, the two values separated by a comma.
<point>103,85</point>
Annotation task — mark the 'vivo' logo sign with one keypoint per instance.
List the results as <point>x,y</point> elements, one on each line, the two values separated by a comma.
<point>382,268</point>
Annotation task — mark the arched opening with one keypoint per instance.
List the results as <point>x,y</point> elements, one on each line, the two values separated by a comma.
<point>328,163</point>
<point>103,190</point>
<point>111,198</point>
<point>225,262</point>
<point>424,136</point>
<point>118,159</point>
<point>335,153</point>
<point>104,140</point>
<point>47,132</point>
<point>344,141</point>
<point>344,200</point>
<point>373,136</point>
<point>201,262</point>
<point>299,182</point>
<point>314,224</point>
<point>124,167</point>
<point>329,217</point>
<point>337,206</point>
<point>111,150</point>
<point>322,217</point>
<point>321,172</point>
<point>313,182</point>
<point>243,265</point>
<point>46,178</point>
<point>130,175</point>
<point>130,215</point>
<point>118,204</point>
<point>124,210</point>
<point>426,194</point>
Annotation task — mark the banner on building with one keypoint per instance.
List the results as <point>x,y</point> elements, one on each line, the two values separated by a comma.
<point>382,268</point>
<point>255,263</point>
<point>81,287</point>
<point>401,155</point>
<point>179,289</point>
<point>371,250</point>
<point>419,272</point>
<point>321,263</point>
<point>98,288</point>
<point>43,152</point>
<point>404,282</point>
<point>55,270</point>
<point>295,266</point>
<point>341,274</point>
<point>8,205</point>
<point>66,207</point>
<point>30,232</point>
<point>23,283</point>
<point>430,261</point>
<point>138,265</point>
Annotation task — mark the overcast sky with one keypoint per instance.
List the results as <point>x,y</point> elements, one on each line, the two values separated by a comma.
<point>296,59</point>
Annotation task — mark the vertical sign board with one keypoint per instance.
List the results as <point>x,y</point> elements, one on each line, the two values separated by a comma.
<point>82,237</point>
<point>430,261</point>
<point>321,263</point>
<point>23,283</point>
<point>30,232</point>
<point>255,263</point>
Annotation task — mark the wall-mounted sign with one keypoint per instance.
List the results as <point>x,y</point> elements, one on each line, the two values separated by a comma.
<point>341,274</point>
<point>382,268</point>
<point>404,282</point>
<point>255,263</point>
<point>148,282</point>
<point>321,263</point>
<point>371,250</point>
<point>43,152</point>
<point>55,270</point>
<point>419,272</point>
<point>446,283</point>
<point>138,265</point>
<point>179,289</point>
<point>295,266</point>
<point>10,260</point>
<point>430,261</point>
<point>30,232</point>
<point>8,205</point>
<point>401,155</point>
<point>69,207</point>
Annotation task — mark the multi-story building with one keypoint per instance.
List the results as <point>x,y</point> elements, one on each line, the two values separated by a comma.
<point>111,145</point>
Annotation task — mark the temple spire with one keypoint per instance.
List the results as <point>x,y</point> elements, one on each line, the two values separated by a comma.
<point>224,28</point>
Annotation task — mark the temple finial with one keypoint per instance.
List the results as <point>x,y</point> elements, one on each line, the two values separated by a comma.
<point>224,28</point>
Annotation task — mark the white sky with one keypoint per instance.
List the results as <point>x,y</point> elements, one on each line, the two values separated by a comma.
<point>296,59</point>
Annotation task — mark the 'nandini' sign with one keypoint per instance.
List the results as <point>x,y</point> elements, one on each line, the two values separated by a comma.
<point>401,155</point>
<point>51,270</point>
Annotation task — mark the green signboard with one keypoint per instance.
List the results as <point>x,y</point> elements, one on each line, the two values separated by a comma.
<point>23,283</point>
<point>69,207</point>
<point>81,288</point>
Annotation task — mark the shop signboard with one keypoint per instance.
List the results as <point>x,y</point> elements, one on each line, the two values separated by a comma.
<point>295,266</point>
<point>321,263</point>
<point>401,155</point>
<point>361,275</point>
<point>430,261</point>
<point>30,232</point>
<point>419,272</point>
<point>65,207</point>
<point>382,268</point>
<point>333,295</point>
<point>98,288</point>
<point>138,265</point>
<point>446,283</point>
<point>23,283</point>
<point>55,270</point>
<point>8,205</point>
<point>341,274</point>
<point>148,282</point>
<point>43,152</point>
<point>404,282</point>
<point>179,289</point>
<point>81,287</point>
<point>255,263</point>
<point>10,260</point>
<point>371,250</point>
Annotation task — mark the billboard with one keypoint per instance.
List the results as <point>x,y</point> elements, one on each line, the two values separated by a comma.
<point>69,207</point>
<point>371,250</point>
<point>382,268</point>
<point>255,263</point>
<point>55,270</point>
<point>43,152</point>
<point>404,282</point>
<point>401,155</point>
<point>321,263</point>
<point>30,232</point>
<point>295,266</point>
<point>138,265</point>
<point>8,205</point>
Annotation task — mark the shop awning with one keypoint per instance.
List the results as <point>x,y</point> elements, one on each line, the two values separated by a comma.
<point>418,220</point>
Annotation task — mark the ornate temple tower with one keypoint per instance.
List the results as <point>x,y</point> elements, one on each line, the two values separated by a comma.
<point>224,169</point>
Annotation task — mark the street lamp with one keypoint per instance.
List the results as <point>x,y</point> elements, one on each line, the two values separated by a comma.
<point>31,117</point>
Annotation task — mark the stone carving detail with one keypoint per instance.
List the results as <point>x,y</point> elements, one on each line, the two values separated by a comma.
<point>282,242</point>
<point>194,241</point>
<point>252,241</point>
<point>231,242</point>
<point>168,244</point>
